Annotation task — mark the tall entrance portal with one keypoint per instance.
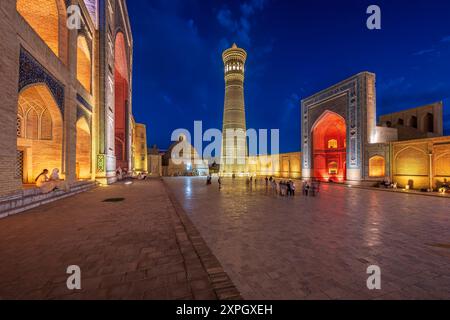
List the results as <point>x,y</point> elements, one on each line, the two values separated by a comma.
<point>337,124</point>
<point>121,104</point>
<point>330,148</point>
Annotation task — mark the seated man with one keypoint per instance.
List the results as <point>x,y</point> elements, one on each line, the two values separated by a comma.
<point>58,183</point>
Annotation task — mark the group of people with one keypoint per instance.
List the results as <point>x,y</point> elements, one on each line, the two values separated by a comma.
<point>284,188</point>
<point>121,173</point>
<point>141,176</point>
<point>388,184</point>
<point>311,188</point>
<point>445,187</point>
<point>50,183</point>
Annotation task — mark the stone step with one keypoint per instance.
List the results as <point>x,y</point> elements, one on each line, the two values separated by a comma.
<point>31,198</point>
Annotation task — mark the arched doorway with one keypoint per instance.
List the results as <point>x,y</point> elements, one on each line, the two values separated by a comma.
<point>39,133</point>
<point>83,150</point>
<point>121,103</point>
<point>48,20</point>
<point>428,123</point>
<point>84,65</point>
<point>413,122</point>
<point>377,167</point>
<point>329,147</point>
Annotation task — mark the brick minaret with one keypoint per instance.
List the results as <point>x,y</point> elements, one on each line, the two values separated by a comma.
<point>234,150</point>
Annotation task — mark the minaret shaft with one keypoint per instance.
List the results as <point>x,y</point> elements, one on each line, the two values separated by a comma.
<point>234,140</point>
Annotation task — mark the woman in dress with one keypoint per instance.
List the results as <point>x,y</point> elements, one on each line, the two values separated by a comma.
<point>44,183</point>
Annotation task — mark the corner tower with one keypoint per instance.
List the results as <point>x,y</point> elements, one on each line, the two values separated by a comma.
<point>234,140</point>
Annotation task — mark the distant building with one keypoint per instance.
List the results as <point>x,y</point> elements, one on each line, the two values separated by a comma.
<point>140,148</point>
<point>154,156</point>
<point>176,162</point>
<point>417,123</point>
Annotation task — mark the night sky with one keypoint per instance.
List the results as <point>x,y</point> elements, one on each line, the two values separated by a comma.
<point>295,49</point>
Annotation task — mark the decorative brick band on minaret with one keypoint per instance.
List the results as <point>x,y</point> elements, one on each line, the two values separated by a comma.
<point>234,148</point>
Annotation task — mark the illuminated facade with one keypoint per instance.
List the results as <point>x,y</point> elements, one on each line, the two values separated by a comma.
<point>234,146</point>
<point>345,113</point>
<point>66,99</point>
<point>140,148</point>
<point>342,141</point>
<point>286,165</point>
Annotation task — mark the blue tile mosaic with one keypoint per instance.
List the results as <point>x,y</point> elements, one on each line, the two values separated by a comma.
<point>32,72</point>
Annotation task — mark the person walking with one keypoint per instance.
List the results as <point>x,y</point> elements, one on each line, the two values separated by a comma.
<point>313,188</point>
<point>292,185</point>
<point>220,183</point>
<point>284,189</point>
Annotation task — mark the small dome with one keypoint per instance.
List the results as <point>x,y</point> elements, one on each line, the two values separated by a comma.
<point>234,46</point>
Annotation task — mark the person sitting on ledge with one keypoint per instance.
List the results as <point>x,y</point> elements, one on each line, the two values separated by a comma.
<point>119,174</point>
<point>445,188</point>
<point>47,185</point>
<point>43,182</point>
<point>141,176</point>
<point>57,182</point>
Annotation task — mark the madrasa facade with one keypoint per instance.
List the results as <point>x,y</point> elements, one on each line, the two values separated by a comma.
<point>343,140</point>
<point>66,95</point>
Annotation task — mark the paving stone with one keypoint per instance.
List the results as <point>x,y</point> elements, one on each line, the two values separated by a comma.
<point>129,250</point>
<point>305,248</point>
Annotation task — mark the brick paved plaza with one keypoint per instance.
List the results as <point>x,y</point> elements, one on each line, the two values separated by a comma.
<point>271,247</point>
<point>141,248</point>
<point>320,248</point>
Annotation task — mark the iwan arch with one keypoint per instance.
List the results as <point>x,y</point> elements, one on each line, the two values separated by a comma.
<point>66,94</point>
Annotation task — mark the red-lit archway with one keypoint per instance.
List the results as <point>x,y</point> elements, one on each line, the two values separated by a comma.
<point>329,147</point>
<point>121,102</point>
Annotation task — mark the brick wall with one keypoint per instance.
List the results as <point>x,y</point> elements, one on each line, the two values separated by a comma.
<point>9,61</point>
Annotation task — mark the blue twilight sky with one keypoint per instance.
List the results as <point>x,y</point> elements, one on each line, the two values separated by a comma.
<point>295,48</point>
